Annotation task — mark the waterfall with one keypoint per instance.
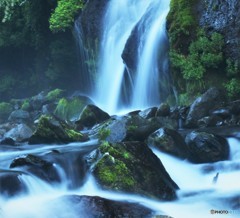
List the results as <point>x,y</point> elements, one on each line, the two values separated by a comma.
<point>119,22</point>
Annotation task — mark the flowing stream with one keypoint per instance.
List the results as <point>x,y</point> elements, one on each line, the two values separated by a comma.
<point>198,195</point>
<point>147,19</point>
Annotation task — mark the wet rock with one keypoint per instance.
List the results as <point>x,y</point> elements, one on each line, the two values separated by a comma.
<point>94,206</point>
<point>163,110</point>
<point>19,116</point>
<point>11,184</point>
<point>202,106</point>
<point>51,130</point>
<point>148,113</point>
<point>37,166</point>
<point>169,141</point>
<point>210,121</point>
<point>132,167</point>
<point>20,133</point>
<point>7,141</point>
<point>92,115</point>
<point>206,148</point>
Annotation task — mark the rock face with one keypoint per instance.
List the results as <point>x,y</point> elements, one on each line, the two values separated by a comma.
<point>206,148</point>
<point>223,17</point>
<point>51,130</point>
<point>132,167</point>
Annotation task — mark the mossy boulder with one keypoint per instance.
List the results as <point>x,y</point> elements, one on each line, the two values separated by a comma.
<point>52,130</point>
<point>132,167</point>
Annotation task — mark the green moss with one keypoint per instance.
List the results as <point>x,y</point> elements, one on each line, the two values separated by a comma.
<point>26,105</point>
<point>69,108</point>
<point>103,133</point>
<point>233,88</point>
<point>54,94</point>
<point>114,173</point>
<point>73,135</point>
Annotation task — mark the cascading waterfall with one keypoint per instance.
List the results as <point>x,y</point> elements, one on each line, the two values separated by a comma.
<point>120,20</point>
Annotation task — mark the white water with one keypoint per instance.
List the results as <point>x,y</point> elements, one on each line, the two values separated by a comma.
<point>120,20</point>
<point>197,196</point>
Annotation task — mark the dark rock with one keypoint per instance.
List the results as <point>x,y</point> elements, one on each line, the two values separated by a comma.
<point>223,113</point>
<point>202,106</point>
<point>92,115</point>
<point>94,206</point>
<point>52,130</point>
<point>38,101</point>
<point>20,133</point>
<point>222,17</point>
<point>210,121</point>
<point>37,166</point>
<point>132,167</point>
<point>169,141</point>
<point>10,183</point>
<point>7,141</point>
<point>163,110</point>
<point>206,148</point>
<point>148,113</point>
<point>19,116</point>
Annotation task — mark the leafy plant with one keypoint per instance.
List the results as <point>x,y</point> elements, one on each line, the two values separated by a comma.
<point>63,15</point>
<point>233,88</point>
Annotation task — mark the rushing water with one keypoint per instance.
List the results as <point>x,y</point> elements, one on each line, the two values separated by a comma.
<point>198,195</point>
<point>119,22</point>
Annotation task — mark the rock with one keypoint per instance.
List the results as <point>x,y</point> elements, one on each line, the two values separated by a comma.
<point>163,110</point>
<point>206,148</point>
<point>148,113</point>
<point>37,166</point>
<point>202,106</point>
<point>92,115</point>
<point>20,133</point>
<point>210,121</point>
<point>10,183</point>
<point>132,167</point>
<point>19,116</point>
<point>222,17</point>
<point>94,206</point>
<point>38,101</point>
<point>51,130</point>
<point>169,141</point>
<point>7,141</point>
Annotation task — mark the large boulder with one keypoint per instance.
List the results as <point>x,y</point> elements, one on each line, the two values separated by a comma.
<point>94,206</point>
<point>91,115</point>
<point>132,167</point>
<point>20,133</point>
<point>206,148</point>
<point>203,105</point>
<point>11,184</point>
<point>169,141</point>
<point>37,166</point>
<point>19,116</point>
<point>51,130</point>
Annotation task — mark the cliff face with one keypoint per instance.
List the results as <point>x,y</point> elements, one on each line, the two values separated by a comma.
<point>224,17</point>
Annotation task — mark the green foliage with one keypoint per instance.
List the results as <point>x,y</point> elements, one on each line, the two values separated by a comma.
<point>233,88</point>
<point>181,22</point>
<point>103,133</point>
<point>7,83</point>
<point>26,105</point>
<point>54,94</point>
<point>64,14</point>
<point>232,67</point>
<point>204,53</point>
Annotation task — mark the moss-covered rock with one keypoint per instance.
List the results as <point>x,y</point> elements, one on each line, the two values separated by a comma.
<point>51,130</point>
<point>132,167</point>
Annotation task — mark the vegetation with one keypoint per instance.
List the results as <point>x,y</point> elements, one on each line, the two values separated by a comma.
<point>64,14</point>
<point>5,109</point>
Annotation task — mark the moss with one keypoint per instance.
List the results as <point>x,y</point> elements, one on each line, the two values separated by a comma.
<point>114,173</point>
<point>54,94</point>
<point>26,105</point>
<point>103,133</point>
<point>69,108</point>
<point>73,135</point>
